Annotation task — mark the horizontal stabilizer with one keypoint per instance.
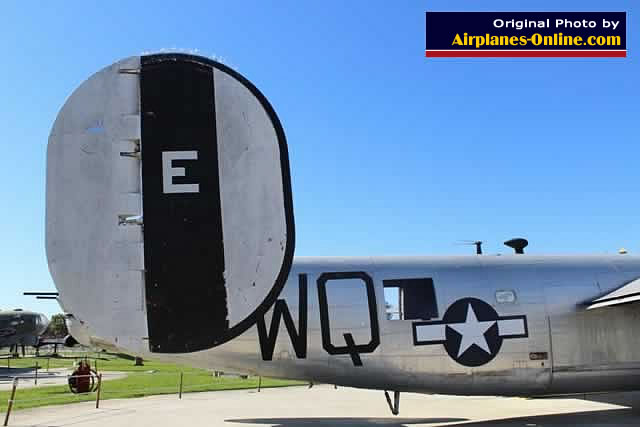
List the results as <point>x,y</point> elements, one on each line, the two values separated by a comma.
<point>623,295</point>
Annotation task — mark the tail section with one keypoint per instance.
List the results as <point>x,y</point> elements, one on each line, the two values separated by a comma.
<point>169,211</point>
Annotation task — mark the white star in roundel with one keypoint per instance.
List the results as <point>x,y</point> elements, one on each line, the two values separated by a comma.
<point>472,332</point>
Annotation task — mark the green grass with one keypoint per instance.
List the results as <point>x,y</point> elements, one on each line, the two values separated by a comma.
<point>151,379</point>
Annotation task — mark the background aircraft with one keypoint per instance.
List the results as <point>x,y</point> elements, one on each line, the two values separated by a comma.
<point>21,328</point>
<point>191,151</point>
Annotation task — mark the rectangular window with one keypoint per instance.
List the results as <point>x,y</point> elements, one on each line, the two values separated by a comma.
<point>410,299</point>
<point>392,302</point>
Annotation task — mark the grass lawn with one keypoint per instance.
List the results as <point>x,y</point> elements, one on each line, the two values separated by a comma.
<point>151,379</point>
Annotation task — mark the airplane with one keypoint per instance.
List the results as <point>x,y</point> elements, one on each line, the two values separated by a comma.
<point>170,234</point>
<point>21,328</point>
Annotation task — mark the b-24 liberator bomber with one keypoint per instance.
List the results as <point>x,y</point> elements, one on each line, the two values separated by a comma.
<point>170,234</point>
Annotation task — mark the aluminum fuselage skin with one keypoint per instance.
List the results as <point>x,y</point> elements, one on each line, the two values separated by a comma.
<point>577,350</point>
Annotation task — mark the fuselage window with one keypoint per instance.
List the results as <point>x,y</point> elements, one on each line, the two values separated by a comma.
<point>505,296</point>
<point>410,299</point>
<point>392,302</point>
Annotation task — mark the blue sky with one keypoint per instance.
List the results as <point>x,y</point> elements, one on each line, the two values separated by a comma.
<point>391,153</point>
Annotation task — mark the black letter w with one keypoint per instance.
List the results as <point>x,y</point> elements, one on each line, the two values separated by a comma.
<point>298,339</point>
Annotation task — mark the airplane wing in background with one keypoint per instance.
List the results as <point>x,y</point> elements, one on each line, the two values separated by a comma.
<point>625,294</point>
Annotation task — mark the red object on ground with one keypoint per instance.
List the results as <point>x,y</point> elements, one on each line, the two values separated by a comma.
<point>81,379</point>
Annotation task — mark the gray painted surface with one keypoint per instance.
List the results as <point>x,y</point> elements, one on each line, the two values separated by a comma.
<point>95,261</point>
<point>252,196</point>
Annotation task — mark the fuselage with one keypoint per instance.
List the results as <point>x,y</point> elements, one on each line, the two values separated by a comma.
<point>506,325</point>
